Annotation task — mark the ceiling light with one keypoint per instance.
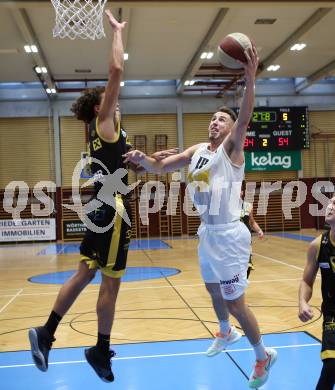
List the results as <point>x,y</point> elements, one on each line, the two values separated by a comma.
<point>125,56</point>
<point>203,55</point>
<point>30,49</point>
<point>50,90</point>
<point>192,82</point>
<point>122,84</point>
<point>298,46</point>
<point>187,82</point>
<point>38,69</point>
<point>209,55</point>
<point>44,69</point>
<point>273,68</point>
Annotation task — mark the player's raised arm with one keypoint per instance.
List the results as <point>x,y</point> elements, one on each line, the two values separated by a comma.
<point>108,112</point>
<point>234,143</point>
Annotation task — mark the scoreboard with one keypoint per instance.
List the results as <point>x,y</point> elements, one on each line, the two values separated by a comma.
<point>278,128</point>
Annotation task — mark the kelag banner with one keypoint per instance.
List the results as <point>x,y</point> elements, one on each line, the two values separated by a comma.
<point>273,161</point>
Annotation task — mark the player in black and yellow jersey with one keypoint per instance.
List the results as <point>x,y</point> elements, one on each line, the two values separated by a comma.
<point>106,251</point>
<point>247,217</point>
<point>321,254</point>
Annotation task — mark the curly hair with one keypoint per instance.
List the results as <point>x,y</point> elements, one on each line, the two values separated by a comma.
<point>83,107</point>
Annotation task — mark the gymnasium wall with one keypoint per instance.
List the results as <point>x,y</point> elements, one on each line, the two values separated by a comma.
<point>72,144</point>
<point>30,140</point>
<point>151,126</point>
<point>26,150</point>
<point>319,160</point>
<point>27,153</point>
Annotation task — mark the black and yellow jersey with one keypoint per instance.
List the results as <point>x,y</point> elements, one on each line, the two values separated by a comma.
<point>326,261</point>
<point>109,153</point>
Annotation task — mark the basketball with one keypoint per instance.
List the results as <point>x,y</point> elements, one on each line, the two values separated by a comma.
<point>232,48</point>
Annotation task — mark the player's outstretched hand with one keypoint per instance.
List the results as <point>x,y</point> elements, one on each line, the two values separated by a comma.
<point>134,156</point>
<point>161,155</point>
<point>251,66</point>
<point>113,22</point>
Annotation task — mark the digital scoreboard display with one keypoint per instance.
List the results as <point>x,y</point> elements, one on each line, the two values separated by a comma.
<point>278,128</point>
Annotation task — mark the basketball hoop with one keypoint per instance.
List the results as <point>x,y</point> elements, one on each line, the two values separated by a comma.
<point>79,19</point>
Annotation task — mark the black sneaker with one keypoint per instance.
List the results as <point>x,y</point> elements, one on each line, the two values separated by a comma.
<point>101,363</point>
<point>40,342</point>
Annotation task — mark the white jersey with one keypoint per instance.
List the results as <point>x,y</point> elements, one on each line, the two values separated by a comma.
<point>216,185</point>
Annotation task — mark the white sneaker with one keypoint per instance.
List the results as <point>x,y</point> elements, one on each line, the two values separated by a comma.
<point>261,370</point>
<point>221,341</point>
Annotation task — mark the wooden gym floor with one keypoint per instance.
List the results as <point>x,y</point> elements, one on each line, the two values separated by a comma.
<point>168,308</point>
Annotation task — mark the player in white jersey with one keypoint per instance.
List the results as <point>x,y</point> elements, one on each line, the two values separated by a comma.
<point>217,169</point>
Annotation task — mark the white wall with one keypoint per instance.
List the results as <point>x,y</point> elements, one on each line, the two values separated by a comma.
<point>157,105</point>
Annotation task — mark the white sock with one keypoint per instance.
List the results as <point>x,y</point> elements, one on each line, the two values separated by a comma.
<point>260,350</point>
<point>225,327</point>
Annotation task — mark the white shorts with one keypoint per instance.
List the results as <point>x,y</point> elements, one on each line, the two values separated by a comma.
<point>224,252</point>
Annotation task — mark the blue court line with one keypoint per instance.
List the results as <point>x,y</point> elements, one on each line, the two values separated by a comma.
<point>148,244</point>
<point>21,245</point>
<point>172,238</point>
<point>179,365</point>
<point>71,248</point>
<point>294,236</point>
<point>133,274</point>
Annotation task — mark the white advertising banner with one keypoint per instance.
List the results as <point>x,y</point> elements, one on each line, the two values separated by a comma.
<point>35,229</point>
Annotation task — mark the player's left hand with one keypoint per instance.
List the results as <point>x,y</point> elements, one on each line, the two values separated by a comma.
<point>134,156</point>
<point>251,66</point>
<point>113,22</point>
<point>260,234</point>
<point>305,312</point>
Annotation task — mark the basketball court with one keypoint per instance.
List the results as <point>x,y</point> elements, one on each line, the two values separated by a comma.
<point>164,320</point>
<point>173,82</point>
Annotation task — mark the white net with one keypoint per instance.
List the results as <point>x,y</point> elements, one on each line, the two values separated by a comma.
<point>79,19</point>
